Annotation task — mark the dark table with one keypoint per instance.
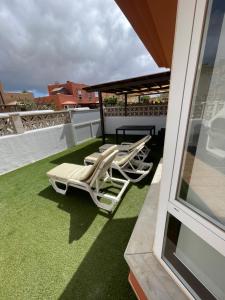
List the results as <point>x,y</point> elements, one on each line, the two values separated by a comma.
<point>150,128</point>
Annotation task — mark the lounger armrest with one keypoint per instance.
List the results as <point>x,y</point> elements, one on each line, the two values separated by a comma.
<point>126,143</point>
<point>121,153</point>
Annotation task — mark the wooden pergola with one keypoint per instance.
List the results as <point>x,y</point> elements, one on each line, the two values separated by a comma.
<point>152,84</point>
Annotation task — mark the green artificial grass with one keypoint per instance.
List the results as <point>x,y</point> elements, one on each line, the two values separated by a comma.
<point>64,247</point>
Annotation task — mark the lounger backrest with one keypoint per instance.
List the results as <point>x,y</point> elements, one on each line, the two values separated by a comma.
<point>124,159</point>
<point>106,163</point>
<point>145,139</point>
<point>99,161</point>
<point>103,155</point>
<point>102,168</point>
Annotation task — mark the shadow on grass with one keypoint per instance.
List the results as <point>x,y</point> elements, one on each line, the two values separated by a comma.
<point>79,205</point>
<point>103,272</point>
<point>81,208</point>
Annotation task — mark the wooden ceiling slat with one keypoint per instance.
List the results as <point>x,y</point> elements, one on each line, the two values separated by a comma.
<point>154,23</point>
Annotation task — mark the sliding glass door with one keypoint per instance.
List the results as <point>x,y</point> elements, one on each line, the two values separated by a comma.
<point>194,234</point>
<point>202,176</point>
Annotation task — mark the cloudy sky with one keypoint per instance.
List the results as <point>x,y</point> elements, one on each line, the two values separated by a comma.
<point>88,41</point>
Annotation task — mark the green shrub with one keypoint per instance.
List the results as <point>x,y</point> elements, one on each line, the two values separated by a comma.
<point>110,101</point>
<point>144,99</point>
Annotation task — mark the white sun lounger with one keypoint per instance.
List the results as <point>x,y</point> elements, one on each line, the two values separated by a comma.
<point>126,164</point>
<point>128,147</point>
<point>92,179</point>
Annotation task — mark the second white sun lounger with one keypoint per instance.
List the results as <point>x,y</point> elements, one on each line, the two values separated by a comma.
<point>126,164</point>
<point>128,147</point>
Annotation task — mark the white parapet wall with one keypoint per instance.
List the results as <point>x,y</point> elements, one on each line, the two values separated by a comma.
<point>18,150</point>
<point>111,123</point>
<point>21,149</point>
<point>83,116</point>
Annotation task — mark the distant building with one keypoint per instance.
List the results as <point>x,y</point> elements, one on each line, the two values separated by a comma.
<point>13,98</point>
<point>68,95</point>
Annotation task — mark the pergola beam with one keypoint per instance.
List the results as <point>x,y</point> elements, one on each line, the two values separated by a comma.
<point>102,117</point>
<point>136,90</point>
<point>143,85</point>
<point>125,86</point>
<point>125,106</point>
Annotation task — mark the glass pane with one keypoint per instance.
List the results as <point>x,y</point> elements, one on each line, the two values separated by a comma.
<point>190,258</point>
<point>202,180</point>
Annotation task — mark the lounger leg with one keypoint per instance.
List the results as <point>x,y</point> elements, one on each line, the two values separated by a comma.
<point>141,173</point>
<point>56,188</point>
<point>120,183</point>
<point>143,154</point>
<point>107,207</point>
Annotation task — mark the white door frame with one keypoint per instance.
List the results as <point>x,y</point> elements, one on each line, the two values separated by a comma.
<point>186,12</point>
<point>191,18</point>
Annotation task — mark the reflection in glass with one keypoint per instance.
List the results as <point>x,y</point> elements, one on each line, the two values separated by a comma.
<point>202,183</point>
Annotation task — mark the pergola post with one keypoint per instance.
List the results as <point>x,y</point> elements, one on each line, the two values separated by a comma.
<point>102,116</point>
<point>125,106</point>
<point>2,101</point>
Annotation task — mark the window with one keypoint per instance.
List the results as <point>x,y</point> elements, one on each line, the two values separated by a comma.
<point>90,96</point>
<point>202,180</point>
<point>198,265</point>
<point>79,92</point>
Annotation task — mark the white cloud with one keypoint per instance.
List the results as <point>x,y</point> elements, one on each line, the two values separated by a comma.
<point>87,41</point>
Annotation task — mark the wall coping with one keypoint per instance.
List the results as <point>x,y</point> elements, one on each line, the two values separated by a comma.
<point>74,111</point>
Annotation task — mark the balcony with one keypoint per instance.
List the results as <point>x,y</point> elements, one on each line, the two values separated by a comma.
<point>64,247</point>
